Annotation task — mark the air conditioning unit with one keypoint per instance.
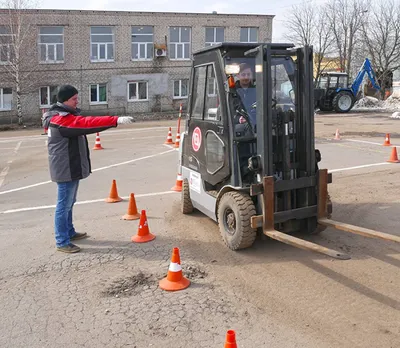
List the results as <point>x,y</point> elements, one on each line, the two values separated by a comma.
<point>160,50</point>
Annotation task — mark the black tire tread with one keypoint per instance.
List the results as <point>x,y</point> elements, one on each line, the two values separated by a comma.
<point>186,202</point>
<point>245,210</point>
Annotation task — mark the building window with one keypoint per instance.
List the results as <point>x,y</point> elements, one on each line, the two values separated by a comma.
<point>137,91</point>
<point>179,46</point>
<point>214,36</point>
<point>6,47</point>
<point>51,44</point>
<point>249,34</point>
<point>5,98</point>
<point>102,44</point>
<point>181,88</point>
<point>98,93</point>
<point>48,95</point>
<point>142,42</point>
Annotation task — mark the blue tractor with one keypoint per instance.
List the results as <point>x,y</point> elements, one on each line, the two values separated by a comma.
<point>333,92</point>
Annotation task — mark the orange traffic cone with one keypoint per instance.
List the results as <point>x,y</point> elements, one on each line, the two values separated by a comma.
<point>178,132</point>
<point>174,280</point>
<point>177,140</point>
<point>97,145</point>
<point>178,184</point>
<point>337,135</point>
<point>393,156</point>
<point>169,138</point>
<point>143,234</point>
<point>387,140</point>
<point>113,197</point>
<point>230,341</point>
<point>132,213</point>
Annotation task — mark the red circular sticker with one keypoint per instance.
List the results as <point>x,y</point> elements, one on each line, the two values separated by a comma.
<point>196,139</point>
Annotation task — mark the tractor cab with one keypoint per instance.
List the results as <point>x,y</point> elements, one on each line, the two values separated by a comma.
<point>247,154</point>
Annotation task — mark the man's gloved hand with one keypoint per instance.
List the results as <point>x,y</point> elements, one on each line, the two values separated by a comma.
<point>125,120</point>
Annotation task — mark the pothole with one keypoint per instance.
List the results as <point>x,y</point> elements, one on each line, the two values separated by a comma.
<point>128,286</point>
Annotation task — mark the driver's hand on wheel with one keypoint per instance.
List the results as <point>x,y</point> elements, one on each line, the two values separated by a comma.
<point>242,119</point>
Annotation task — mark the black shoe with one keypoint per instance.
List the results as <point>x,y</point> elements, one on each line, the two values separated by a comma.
<point>70,248</point>
<point>79,236</point>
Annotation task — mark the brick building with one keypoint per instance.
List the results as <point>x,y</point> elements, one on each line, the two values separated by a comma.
<point>121,62</point>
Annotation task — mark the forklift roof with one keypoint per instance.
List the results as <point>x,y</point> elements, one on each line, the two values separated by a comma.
<point>248,45</point>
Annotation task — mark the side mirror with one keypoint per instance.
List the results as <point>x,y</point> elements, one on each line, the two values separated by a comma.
<point>292,96</point>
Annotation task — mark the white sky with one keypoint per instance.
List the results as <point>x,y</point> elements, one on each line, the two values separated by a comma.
<point>273,7</point>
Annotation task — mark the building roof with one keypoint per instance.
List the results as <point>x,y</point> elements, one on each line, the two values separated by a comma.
<point>127,13</point>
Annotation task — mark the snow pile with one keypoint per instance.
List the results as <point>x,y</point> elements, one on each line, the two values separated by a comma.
<point>395,115</point>
<point>368,103</point>
<point>393,102</point>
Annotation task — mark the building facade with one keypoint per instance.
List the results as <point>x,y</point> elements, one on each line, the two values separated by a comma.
<point>121,62</point>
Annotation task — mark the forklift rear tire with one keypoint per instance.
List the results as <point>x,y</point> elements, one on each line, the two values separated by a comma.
<point>235,210</point>
<point>186,202</point>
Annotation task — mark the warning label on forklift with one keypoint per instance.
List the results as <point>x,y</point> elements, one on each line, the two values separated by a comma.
<point>195,181</point>
<point>196,139</point>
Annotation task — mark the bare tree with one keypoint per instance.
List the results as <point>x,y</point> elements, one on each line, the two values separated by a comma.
<point>307,25</point>
<point>381,37</point>
<point>15,47</point>
<point>346,18</point>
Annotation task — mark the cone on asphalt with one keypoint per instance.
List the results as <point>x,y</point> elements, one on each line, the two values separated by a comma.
<point>113,197</point>
<point>230,341</point>
<point>178,184</point>
<point>132,213</point>
<point>169,138</point>
<point>143,234</point>
<point>393,156</point>
<point>337,135</point>
<point>387,140</point>
<point>174,280</point>
<point>178,140</point>
<point>97,144</point>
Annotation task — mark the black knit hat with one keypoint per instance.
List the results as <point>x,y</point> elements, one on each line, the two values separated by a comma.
<point>66,92</point>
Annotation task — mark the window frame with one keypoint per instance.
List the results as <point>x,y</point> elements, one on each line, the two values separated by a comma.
<point>98,94</point>
<point>8,45</point>
<point>137,90</point>
<point>215,42</point>
<point>40,44</point>
<point>48,96</point>
<point>180,89</point>
<point>180,43</point>
<point>248,34</point>
<point>142,44</point>
<point>2,99</point>
<point>98,44</point>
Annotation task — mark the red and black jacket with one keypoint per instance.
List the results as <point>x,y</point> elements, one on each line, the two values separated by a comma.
<point>69,157</point>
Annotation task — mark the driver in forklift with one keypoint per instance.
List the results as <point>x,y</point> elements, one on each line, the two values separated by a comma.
<point>246,90</point>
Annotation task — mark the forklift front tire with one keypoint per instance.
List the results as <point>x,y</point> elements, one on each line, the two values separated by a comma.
<point>235,210</point>
<point>186,202</point>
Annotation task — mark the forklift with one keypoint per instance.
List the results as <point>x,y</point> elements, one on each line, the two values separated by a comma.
<point>247,155</point>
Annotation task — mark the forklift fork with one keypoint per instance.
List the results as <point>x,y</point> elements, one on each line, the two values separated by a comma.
<point>268,220</point>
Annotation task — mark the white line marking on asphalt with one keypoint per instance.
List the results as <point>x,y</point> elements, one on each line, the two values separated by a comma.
<point>359,167</point>
<point>94,170</point>
<point>42,207</point>
<point>4,172</point>
<point>170,147</point>
<point>366,142</point>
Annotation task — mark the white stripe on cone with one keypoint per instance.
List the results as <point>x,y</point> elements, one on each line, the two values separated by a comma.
<point>179,178</point>
<point>175,267</point>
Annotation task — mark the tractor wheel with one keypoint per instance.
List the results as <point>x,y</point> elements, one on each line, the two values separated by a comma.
<point>186,202</point>
<point>343,102</point>
<point>235,210</point>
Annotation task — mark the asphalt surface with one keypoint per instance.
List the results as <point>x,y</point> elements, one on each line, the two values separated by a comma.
<point>272,295</point>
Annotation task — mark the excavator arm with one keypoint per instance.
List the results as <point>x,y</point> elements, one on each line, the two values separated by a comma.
<point>366,68</point>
